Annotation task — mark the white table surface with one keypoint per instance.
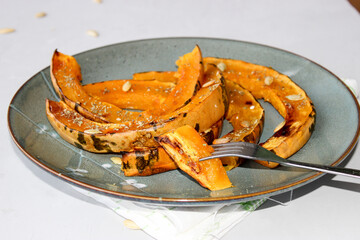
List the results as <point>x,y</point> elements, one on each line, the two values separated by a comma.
<point>36,205</point>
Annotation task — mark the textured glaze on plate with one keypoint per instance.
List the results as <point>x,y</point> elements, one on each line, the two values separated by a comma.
<point>336,131</point>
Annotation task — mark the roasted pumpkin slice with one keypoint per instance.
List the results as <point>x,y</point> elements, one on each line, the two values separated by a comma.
<point>186,147</point>
<point>246,117</point>
<point>131,94</point>
<point>66,78</point>
<point>148,161</point>
<point>112,137</point>
<point>165,76</point>
<point>190,75</point>
<point>287,97</point>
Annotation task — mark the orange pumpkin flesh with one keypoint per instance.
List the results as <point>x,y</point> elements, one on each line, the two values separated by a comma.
<point>165,76</point>
<point>190,75</point>
<point>142,94</point>
<point>186,147</point>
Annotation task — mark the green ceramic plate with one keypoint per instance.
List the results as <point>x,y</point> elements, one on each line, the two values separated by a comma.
<point>335,135</point>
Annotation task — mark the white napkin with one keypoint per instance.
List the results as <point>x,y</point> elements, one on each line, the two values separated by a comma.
<point>191,223</point>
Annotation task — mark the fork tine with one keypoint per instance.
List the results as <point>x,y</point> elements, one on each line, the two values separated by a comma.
<point>234,147</point>
<point>237,149</point>
<point>222,151</point>
<point>226,144</point>
<point>233,144</point>
<point>221,154</point>
<point>239,146</point>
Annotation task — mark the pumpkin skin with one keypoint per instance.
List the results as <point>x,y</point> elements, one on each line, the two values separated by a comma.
<point>146,161</point>
<point>287,98</point>
<point>112,137</point>
<point>186,147</point>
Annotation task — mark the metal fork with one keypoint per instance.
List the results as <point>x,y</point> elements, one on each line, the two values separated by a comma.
<point>256,152</point>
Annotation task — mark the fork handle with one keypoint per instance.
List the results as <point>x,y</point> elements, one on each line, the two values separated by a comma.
<point>321,168</point>
<point>264,154</point>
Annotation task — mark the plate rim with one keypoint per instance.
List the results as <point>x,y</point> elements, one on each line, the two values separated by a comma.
<point>189,201</point>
